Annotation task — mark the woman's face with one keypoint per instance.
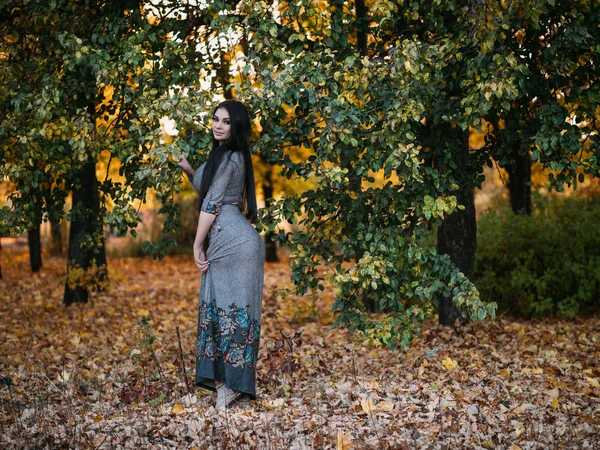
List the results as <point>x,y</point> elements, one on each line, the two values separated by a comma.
<point>221,125</point>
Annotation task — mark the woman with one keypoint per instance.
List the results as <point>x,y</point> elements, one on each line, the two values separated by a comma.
<point>230,254</point>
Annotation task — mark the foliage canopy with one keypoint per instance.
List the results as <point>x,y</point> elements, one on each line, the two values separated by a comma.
<point>383,91</point>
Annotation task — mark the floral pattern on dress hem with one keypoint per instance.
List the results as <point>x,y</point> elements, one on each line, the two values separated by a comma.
<point>229,335</point>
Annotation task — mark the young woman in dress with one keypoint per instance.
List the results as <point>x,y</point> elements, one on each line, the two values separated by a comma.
<point>230,254</point>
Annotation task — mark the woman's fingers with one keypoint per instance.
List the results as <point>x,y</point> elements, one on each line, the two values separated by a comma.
<point>202,265</point>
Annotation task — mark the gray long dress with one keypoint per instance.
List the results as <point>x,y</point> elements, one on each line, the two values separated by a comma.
<point>229,310</point>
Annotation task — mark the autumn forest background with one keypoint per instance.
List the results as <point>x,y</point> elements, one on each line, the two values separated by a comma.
<point>428,178</point>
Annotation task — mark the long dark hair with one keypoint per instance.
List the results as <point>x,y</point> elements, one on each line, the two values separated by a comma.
<point>239,141</point>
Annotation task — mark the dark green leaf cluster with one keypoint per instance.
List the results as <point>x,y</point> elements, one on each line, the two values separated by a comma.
<point>543,265</point>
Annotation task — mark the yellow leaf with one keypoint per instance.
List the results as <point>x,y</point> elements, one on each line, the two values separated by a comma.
<point>554,403</point>
<point>142,312</point>
<point>593,382</point>
<point>178,408</point>
<point>514,447</point>
<point>538,371</point>
<point>367,405</point>
<point>449,364</point>
<point>98,418</point>
<point>343,441</point>
<point>505,373</point>
<point>488,444</point>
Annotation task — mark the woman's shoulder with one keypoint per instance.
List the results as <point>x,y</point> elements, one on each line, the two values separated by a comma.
<point>236,158</point>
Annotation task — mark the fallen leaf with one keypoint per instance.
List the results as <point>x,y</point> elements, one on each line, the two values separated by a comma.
<point>277,403</point>
<point>593,381</point>
<point>178,408</point>
<point>450,364</point>
<point>367,405</point>
<point>343,441</point>
<point>142,312</point>
<point>505,373</point>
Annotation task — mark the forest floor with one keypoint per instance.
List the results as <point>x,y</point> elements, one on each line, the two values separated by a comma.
<point>98,375</point>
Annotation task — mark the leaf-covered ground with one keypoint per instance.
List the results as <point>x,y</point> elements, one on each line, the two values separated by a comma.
<point>98,376</point>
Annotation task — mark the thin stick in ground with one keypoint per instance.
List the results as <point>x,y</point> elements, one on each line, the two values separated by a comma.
<point>181,359</point>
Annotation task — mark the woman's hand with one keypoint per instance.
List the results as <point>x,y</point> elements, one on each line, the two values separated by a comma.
<point>185,166</point>
<point>200,259</point>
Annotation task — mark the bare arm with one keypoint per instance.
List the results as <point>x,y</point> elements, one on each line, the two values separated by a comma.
<point>204,223</point>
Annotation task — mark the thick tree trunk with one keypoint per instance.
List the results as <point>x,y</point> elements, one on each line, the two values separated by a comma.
<point>270,245</point>
<point>84,222</point>
<point>457,236</point>
<point>519,182</point>
<point>35,248</point>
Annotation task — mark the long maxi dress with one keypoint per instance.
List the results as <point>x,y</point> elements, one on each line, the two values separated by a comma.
<point>229,311</point>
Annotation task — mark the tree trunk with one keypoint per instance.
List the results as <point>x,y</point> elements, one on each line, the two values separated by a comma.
<point>270,245</point>
<point>369,297</point>
<point>457,235</point>
<point>519,182</point>
<point>35,248</point>
<point>0,258</point>
<point>56,238</point>
<point>84,222</point>
<point>361,26</point>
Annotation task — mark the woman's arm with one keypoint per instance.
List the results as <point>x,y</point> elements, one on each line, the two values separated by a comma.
<point>204,223</point>
<point>186,167</point>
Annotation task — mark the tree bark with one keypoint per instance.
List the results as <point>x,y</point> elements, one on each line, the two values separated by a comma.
<point>84,222</point>
<point>457,235</point>
<point>270,245</point>
<point>0,258</point>
<point>361,26</point>
<point>35,248</point>
<point>519,182</point>
<point>56,238</point>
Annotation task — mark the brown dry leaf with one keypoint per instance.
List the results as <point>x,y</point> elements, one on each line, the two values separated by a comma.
<point>389,399</point>
<point>343,441</point>
<point>385,406</point>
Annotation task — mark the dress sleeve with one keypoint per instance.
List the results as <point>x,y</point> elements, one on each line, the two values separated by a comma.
<point>197,178</point>
<point>214,197</point>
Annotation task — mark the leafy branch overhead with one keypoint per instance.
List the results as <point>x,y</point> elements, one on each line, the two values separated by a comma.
<point>365,109</point>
